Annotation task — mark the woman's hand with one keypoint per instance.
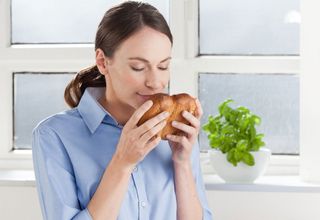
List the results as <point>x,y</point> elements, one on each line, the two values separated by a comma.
<point>181,146</point>
<point>136,142</point>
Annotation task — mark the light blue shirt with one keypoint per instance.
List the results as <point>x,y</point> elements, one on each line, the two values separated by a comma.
<point>71,151</point>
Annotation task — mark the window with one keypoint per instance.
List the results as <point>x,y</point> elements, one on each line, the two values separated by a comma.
<point>36,96</point>
<point>59,21</point>
<point>274,97</point>
<point>253,31</point>
<point>204,54</point>
<point>249,27</point>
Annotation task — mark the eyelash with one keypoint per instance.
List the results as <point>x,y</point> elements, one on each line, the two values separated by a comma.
<point>139,70</point>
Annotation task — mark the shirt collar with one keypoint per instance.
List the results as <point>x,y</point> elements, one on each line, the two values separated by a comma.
<point>91,111</point>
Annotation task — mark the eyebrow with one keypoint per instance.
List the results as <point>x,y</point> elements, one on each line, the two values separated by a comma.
<point>147,61</point>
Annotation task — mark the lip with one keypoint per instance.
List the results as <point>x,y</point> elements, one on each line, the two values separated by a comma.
<point>144,97</point>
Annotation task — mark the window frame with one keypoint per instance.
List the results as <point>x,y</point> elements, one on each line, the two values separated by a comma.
<point>188,61</point>
<point>73,57</point>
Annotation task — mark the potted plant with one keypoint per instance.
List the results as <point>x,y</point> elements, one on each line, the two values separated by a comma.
<point>237,154</point>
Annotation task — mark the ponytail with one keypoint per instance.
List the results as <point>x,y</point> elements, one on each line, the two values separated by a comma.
<point>89,77</point>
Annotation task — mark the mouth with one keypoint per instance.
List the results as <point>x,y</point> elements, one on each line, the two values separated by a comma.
<point>144,97</point>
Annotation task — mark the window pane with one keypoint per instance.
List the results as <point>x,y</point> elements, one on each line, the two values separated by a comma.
<point>34,100</point>
<point>248,27</point>
<point>58,21</point>
<point>273,97</point>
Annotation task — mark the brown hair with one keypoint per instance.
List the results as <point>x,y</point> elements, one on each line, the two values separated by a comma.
<point>118,24</point>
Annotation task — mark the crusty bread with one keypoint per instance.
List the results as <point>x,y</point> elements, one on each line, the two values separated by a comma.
<point>175,105</point>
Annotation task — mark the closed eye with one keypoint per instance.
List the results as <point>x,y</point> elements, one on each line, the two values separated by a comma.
<point>137,69</point>
<point>162,68</point>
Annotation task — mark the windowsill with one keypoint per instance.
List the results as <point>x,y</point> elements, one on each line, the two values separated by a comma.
<point>17,178</point>
<point>263,184</point>
<point>212,183</point>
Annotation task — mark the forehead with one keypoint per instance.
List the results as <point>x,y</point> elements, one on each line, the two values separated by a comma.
<point>147,43</point>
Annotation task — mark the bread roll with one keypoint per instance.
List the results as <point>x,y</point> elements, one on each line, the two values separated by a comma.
<point>175,105</point>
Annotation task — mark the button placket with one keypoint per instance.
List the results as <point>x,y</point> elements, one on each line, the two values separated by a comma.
<point>141,192</point>
<point>143,204</point>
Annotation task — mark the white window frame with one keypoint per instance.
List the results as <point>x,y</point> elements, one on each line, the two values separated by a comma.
<point>185,67</point>
<point>186,60</point>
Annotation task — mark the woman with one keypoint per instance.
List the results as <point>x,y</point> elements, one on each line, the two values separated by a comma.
<point>93,161</point>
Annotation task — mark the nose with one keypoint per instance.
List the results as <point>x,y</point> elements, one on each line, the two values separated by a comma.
<point>154,85</point>
<point>155,80</point>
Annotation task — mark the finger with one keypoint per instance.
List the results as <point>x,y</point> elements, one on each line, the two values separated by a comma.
<point>133,121</point>
<point>192,119</point>
<point>183,127</point>
<point>183,140</point>
<point>152,144</point>
<point>199,111</point>
<point>149,124</point>
<point>152,132</point>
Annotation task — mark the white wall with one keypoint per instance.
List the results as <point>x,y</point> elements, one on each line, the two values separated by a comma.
<point>310,90</point>
<point>18,203</point>
<point>230,205</point>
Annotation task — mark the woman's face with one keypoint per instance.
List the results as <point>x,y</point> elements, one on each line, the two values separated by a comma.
<point>139,67</point>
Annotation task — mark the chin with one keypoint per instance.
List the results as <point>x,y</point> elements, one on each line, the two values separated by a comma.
<point>135,102</point>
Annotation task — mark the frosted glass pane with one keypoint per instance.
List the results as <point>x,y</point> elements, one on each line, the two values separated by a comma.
<point>59,21</point>
<point>275,98</point>
<point>36,96</point>
<point>247,27</point>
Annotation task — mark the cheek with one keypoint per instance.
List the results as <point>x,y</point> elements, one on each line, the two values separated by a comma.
<point>125,79</point>
<point>132,81</point>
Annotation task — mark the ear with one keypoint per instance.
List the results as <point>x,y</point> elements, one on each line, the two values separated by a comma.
<point>101,61</point>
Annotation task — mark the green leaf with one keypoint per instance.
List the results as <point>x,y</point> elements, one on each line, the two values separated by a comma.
<point>256,119</point>
<point>223,105</point>
<point>214,142</point>
<point>248,159</point>
<point>233,116</point>
<point>228,129</point>
<point>243,109</point>
<point>252,132</point>
<point>238,155</point>
<point>242,145</point>
<point>210,127</point>
<point>244,123</point>
<point>259,136</point>
<point>230,157</point>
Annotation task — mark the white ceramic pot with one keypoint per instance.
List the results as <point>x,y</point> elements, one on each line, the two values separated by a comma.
<point>242,173</point>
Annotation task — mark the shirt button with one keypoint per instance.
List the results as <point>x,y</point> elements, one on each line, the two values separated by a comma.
<point>143,204</point>
<point>135,169</point>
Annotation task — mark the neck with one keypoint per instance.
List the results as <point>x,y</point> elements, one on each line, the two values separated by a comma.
<point>119,111</point>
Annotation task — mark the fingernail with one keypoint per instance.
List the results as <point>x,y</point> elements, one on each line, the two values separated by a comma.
<point>148,103</point>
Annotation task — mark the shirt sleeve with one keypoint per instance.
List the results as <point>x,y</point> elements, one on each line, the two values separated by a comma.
<point>55,179</point>
<point>207,215</point>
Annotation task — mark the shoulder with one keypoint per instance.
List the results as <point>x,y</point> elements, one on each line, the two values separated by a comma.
<point>58,121</point>
<point>48,146</point>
